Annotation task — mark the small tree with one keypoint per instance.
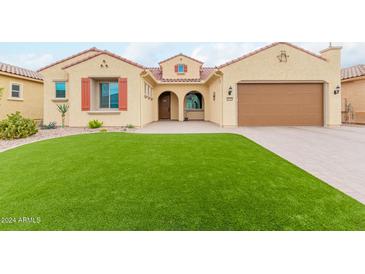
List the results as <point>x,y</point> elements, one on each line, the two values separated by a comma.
<point>63,109</point>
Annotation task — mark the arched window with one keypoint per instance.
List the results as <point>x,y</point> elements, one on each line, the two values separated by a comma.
<point>193,100</point>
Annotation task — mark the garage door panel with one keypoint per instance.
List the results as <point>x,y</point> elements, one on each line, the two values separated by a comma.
<point>282,109</point>
<point>280,104</point>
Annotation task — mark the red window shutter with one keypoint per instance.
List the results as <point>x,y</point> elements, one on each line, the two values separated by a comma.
<point>185,68</point>
<point>85,94</point>
<point>175,68</point>
<point>123,93</point>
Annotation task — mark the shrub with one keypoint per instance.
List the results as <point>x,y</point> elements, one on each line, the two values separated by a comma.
<point>130,126</point>
<point>51,125</point>
<point>95,124</point>
<point>16,126</point>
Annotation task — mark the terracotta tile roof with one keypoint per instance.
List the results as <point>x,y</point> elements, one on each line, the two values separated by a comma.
<point>20,71</point>
<point>68,58</point>
<point>180,54</point>
<point>352,72</point>
<point>156,72</point>
<point>100,52</point>
<point>267,47</point>
<point>204,74</point>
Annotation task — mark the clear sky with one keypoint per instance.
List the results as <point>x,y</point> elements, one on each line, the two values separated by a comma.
<point>36,55</point>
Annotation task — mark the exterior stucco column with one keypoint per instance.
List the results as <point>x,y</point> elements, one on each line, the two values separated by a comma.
<point>181,108</point>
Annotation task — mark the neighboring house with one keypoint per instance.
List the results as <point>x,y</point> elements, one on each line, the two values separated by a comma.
<point>353,94</point>
<point>22,90</point>
<point>280,84</point>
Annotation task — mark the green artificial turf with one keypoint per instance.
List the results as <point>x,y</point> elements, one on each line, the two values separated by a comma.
<point>119,181</point>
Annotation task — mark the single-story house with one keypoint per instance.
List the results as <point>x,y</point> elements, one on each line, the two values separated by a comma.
<point>353,94</point>
<point>21,90</point>
<point>280,84</point>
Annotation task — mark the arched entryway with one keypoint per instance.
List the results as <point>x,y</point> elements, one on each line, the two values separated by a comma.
<point>193,106</point>
<point>168,106</point>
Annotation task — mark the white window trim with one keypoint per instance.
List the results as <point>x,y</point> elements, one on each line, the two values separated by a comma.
<point>55,91</point>
<point>20,98</point>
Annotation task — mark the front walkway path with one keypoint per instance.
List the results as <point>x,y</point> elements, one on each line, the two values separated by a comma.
<point>171,127</point>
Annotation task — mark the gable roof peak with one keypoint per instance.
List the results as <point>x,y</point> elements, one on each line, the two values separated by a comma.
<point>100,52</point>
<point>180,54</point>
<point>267,47</point>
<point>70,57</point>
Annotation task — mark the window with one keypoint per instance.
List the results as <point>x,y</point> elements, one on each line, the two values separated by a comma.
<point>60,89</point>
<point>15,90</point>
<point>147,91</point>
<point>193,101</point>
<point>109,95</point>
<point>180,68</point>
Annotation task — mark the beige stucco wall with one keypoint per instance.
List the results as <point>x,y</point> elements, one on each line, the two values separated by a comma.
<point>168,68</point>
<point>180,90</point>
<point>174,107</point>
<point>50,76</point>
<point>91,68</point>
<point>354,92</point>
<point>215,104</point>
<point>146,104</point>
<point>265,66</point>
<point>116,69</point>
<point>31,102</point>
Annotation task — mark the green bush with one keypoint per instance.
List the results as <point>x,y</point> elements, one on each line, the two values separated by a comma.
<point>95,124</point>
<point>130,126</point>
<point>50,125</point>
<point>16,126</point>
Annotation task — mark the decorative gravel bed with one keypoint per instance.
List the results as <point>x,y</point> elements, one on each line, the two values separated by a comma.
<point>44,134</point>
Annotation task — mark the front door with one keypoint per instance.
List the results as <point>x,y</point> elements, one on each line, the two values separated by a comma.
<point>164,106</point>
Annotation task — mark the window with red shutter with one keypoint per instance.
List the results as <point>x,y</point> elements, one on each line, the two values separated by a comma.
<point>85,94</point>
<point>180,68</point>
<point>123,93</point>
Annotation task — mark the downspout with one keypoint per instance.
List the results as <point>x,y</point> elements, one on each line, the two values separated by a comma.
<point>140,102</point>
<point>220,74</point>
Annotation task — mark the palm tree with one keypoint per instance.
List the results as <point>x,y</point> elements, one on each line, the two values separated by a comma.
<point>63,109</point>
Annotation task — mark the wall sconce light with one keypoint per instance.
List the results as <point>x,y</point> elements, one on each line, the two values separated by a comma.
<point>214,96</point>
<point>230,89</point>
<point>337,90</point>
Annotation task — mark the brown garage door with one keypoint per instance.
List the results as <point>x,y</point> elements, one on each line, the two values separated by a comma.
<point>280,104</point>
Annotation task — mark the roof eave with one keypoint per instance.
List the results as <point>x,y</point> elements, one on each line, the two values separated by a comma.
<point>21,76</point>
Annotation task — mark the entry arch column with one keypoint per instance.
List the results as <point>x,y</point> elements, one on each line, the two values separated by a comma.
<point>181,107</point>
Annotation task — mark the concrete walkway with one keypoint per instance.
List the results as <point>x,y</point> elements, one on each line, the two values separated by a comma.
<point>173,127</point>
<point>335,155</point>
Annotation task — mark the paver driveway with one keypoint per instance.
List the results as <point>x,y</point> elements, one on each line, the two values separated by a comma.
<point>335,155</point>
